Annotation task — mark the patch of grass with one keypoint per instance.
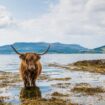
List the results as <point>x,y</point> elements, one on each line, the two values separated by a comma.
<point>53,65</point>
<point>58,94</point>
<point>52,101</point>
<point>94,66</point>
<point>43,77</point>
<point>83,85</point>
<point>61,79</point>
<point>5,103</point>
<point>61,85</point>
<point>2,100</point>
<point>87,90</point>
<point>8,79</point>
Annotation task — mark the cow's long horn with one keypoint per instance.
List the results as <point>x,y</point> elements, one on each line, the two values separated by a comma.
<point>15,50</point>
<point>45,51</point>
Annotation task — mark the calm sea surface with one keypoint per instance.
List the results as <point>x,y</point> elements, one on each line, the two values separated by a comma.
<point>11,62</point>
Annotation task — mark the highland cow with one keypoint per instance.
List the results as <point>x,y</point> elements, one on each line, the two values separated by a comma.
<point>30,67</point>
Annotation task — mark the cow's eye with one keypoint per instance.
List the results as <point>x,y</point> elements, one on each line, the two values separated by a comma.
<point>26,60</point>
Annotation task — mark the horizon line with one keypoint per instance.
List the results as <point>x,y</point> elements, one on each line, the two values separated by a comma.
<point>50,43</point>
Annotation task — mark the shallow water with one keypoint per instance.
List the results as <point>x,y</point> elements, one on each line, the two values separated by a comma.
<point>47,87</point>
<point>11,62</point>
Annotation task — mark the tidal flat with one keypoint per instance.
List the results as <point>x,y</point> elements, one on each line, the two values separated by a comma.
<point>9,82</point>
<point>59,87</point>
<point>60,83</point>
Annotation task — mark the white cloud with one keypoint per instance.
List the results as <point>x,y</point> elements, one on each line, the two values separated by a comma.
<point>69,21</point>
<point>5,17</point>
<point>96,10</point>
<point>71,17</point>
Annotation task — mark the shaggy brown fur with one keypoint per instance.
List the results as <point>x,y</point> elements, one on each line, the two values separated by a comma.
<point>30,68</point>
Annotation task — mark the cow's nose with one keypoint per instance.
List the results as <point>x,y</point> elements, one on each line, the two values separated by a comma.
<point>31,67</point>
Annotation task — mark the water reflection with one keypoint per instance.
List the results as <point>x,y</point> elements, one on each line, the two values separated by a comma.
<point>29,93</point>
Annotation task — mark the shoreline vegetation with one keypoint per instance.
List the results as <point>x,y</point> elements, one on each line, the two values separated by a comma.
<point>12,80</point>
<point>94,66</point>
<point>30,96</point>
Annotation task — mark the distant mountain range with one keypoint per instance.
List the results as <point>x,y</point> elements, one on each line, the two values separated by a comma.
<point>55,48</point>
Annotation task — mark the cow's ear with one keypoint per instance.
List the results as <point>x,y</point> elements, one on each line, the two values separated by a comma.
<point>22,56</point>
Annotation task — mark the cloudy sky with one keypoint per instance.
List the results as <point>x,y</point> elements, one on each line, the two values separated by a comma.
<point>67,21</point>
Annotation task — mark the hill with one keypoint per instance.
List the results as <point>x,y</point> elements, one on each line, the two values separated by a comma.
<point>41,46</point>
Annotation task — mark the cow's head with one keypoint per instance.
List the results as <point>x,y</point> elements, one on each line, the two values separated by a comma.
<point>30,59</point>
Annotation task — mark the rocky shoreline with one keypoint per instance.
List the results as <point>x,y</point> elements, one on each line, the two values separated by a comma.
<point>95,66</point>
<point>31,96</point>
<point>71,86</point>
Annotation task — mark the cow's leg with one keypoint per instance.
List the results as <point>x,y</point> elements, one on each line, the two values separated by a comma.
<point>35,78</point>
<point>25,83</point>
<point>28,83</point>
<point>26,80</point>
<point>33,83</point>
<point>32,79</point>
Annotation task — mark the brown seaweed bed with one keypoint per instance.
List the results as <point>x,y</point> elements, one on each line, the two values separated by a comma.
<point>95,66</point>
<point>87,89</point>
<point>57,87</point>
<point>29,96</point>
